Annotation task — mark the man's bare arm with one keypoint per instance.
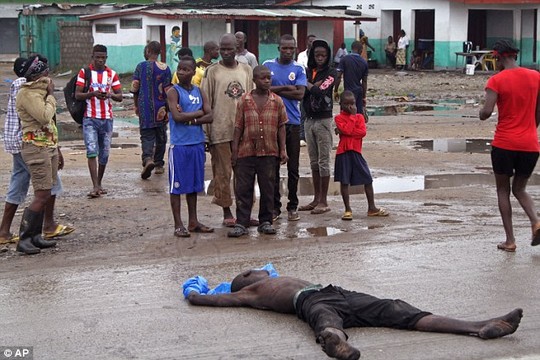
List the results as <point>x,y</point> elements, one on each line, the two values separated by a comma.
<point>538,109</point>
<point>293,92</point>
<point>489,105</point>
<point>237,299</point>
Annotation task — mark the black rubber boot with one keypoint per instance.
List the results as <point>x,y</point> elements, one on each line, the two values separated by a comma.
<point>25,236</point>
<point>37,236</point>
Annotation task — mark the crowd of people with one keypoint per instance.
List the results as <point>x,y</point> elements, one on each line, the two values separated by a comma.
<point>251,119</point>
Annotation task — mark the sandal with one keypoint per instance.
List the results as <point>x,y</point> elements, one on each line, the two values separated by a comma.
<point>93,194</point>
<point>12,238</point>
<point>200,228</point>
<point>380,212</point>
<point>230,222</point>
<point>182,232</point>
<point>237,231</point>
<point>347,215</point>
<point>536,235</point>
<point>507,248</point>
<point>307,207</point>
<point>266,228</point>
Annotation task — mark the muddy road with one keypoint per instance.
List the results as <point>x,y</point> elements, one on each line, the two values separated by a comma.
<point>112,289</point>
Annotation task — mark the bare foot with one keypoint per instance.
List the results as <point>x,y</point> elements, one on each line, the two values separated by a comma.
<point>335,347</point>
<point>501,326</point>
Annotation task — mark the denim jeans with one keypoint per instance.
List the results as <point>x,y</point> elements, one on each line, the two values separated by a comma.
<point>154,143</point>
<point>98,138</point>
<point>20,182</point>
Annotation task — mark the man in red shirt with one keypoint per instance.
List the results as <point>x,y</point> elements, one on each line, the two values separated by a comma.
<point>98,119</point>
<point>515,149</point>
<point>258,143</point>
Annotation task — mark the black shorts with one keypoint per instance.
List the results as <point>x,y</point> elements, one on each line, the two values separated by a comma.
<point>510,162</point>
<point>338,308</point>
<point>351,168</point>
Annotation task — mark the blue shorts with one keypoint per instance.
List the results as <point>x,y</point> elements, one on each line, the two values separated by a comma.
<point>186,169</point>
<point>351,168</point>
<point>508,162</point>
<point>98,138</point>
<point>20,182</point>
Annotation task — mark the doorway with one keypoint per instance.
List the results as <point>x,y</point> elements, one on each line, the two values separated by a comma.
<point>424,39</point>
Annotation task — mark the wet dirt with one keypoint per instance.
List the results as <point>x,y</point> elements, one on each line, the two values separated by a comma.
<point>111,289</point>
<point>135,210</point>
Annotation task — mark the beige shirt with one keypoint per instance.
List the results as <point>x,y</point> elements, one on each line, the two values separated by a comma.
<point>224,86</point>
<point>37,110</point>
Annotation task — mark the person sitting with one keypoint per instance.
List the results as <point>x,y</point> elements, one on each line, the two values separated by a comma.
<point>331,309</point>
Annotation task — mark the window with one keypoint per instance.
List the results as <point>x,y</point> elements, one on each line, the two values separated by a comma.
<point>106,28</point>
<point>130,23</point>
<point>268,32</point>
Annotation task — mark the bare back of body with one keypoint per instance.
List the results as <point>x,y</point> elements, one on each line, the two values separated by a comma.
<point>274,294</point>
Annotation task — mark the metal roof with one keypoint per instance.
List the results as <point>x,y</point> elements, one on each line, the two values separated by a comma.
<point>258,13</point>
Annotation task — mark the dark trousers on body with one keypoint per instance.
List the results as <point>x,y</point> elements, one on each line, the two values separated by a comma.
<point>292,144</point>
<point>154,144</point>
<point>264,167</point>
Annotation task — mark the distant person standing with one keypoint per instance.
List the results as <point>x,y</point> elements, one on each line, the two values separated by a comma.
<point>151,80</point>
<point>516,92</point>
<point>98,119</point>
<point>289,82</point>
<point>354,70</point>
<point>303,55</point>
<point>259,142</point>
<point>321,77</point>
<point>211,52</point>
<point>242,54</point>
<point>342,51</point>
<point>350,166</point>
<point>189,110</point>
<point>224,83</point>
<point>174,44</point>
<point>401,54</point>
<point>390,51</point>
<point>365,45</point>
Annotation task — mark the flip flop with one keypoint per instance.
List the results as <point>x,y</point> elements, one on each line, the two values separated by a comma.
<point>536,235</point>
<point>230,222</point>
<point>201,229</point>
<point>12,238</point>
<point>61,230</point>
<point>380,212</point>
<point>308,207</point>
<point>182,232</point>
<point>93,195</point>
<point>507,248</point>
<point>318,211</point>
<point>102,191</point>
<point>347,215</point>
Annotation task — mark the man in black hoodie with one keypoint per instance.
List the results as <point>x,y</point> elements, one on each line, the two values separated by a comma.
<point>318,125</point>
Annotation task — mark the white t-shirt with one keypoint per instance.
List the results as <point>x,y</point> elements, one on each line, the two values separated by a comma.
<point>403,42</point>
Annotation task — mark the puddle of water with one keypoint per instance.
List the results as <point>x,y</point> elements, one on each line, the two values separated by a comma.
<point>113,146</point>
<point>480,146</point>
<point>322,231</point>
<point>389,184</point>
<point>392,110</point>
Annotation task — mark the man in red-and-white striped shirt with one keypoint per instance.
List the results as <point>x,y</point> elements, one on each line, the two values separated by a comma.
<point>98,119</point>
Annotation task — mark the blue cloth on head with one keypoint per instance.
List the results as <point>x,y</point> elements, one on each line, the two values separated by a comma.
<point>196,283</point>
<point>200,284</point>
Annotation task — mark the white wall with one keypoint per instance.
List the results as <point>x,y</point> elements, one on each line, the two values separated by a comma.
<point>203,31</point>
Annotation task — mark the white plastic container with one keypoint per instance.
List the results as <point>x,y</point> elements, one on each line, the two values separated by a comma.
<point>469,69</point>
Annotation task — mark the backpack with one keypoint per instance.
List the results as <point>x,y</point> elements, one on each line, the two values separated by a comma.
<point>76,107</point>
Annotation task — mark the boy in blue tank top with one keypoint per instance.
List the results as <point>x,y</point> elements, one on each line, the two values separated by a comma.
<point>189,109</point>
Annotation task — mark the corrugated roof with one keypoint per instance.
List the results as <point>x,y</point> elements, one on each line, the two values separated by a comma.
<point>259,13</point>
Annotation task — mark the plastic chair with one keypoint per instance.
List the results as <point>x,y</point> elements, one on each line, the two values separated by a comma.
<point>489,59</point>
